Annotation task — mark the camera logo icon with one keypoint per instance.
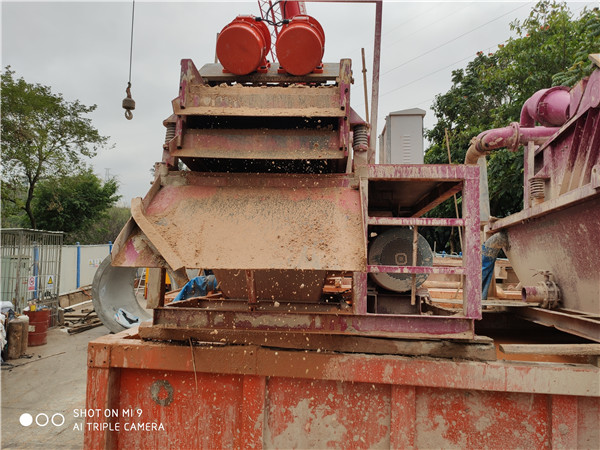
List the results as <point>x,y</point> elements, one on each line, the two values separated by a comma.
<point>42,419</point>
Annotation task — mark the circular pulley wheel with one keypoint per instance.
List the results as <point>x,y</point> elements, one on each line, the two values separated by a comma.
<point>393,247</point>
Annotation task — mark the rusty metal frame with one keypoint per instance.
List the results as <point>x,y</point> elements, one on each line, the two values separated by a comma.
<point>560,215</point>
<point>341,323</point>
<point>467,178</point>
<point>314,318</point>
<point>198,97</point>
<point>243,394</point>
<point>573,322</point>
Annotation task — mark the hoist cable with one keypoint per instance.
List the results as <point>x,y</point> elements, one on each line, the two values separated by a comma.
<point>131,43</point>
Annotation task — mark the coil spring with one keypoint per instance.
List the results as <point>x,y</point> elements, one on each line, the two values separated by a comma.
<point>537,188</point>
<point>170,133</point>
<point>360,141</point>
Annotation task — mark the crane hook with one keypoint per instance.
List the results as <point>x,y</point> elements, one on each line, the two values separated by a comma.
<point>128,103</point>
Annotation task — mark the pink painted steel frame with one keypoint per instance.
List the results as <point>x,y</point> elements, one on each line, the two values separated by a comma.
<point>469,176</point>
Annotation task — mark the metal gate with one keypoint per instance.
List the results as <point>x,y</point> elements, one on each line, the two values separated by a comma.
<point>31,267</point>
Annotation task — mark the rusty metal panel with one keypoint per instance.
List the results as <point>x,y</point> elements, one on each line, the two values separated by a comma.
<point>246,396</point>
<point>324,414</point>
<point>308,320</point>
<point>472,246</point>
<point>274,101</point>
<point>252,222</point>
<point>569,321</point>
<point>425,172</point>
<point>268,144</point>
<point>558,230</point>
<point>478,349</point>
<point>475,419</point>
<point>284,285</point>
<point>568,238</point>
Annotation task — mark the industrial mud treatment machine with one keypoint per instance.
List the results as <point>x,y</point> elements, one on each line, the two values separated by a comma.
<point>267,180</point>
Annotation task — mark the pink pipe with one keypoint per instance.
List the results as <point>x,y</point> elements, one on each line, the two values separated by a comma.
<point>510,137</point>
<point>549,107</point>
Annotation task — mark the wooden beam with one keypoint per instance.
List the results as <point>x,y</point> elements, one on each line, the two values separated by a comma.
<point>435,197</point>
<point>552,349</point>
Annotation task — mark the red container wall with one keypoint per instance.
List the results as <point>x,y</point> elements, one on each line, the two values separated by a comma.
<point>250,397</point>
<point>38,326</point>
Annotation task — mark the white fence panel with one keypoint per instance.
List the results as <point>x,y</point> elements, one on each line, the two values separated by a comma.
<point>90,257</point>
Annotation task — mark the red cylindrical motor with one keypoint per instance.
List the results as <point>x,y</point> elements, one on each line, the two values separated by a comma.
<point>242,46</point>
<point>300,45</point>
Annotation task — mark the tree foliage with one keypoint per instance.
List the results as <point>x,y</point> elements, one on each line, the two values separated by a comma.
<point>43,135</point>
<point>73,204</point>
<point>103,230</point>
<point>549,47</point>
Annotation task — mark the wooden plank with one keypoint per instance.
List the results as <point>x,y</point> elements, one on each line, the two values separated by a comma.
<point>80,305</point>
<point>450,296</point>
<point>69,299</point>
<point>437,196</point>
<point>84,326</point>
<point>561,320</point>
<point>79,316</point>
<point>80,328</point>
<point>480,349</point>
<point>153,288</point>
<point>552,349</point>
<point>429,284</point>
<point>447,261</point>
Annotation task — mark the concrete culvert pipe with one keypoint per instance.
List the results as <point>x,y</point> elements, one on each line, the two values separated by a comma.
<point>113,296</point>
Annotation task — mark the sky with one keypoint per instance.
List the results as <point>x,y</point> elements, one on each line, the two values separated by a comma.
<point>82,50</point>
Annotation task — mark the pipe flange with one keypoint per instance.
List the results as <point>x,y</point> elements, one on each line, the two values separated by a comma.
<point>513,141</point>
<point>546,292</point>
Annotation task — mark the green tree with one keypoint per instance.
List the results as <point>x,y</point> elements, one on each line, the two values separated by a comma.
<point>73,203</point>
<point>549,48</point>
<point>587,32</point>
<point>103,230</point>
<point>43,135</point>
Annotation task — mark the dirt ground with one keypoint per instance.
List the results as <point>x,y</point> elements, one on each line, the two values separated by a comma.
<point>49,386</point>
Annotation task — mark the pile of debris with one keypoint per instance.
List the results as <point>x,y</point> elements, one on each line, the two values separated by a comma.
<point>81,317</point>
